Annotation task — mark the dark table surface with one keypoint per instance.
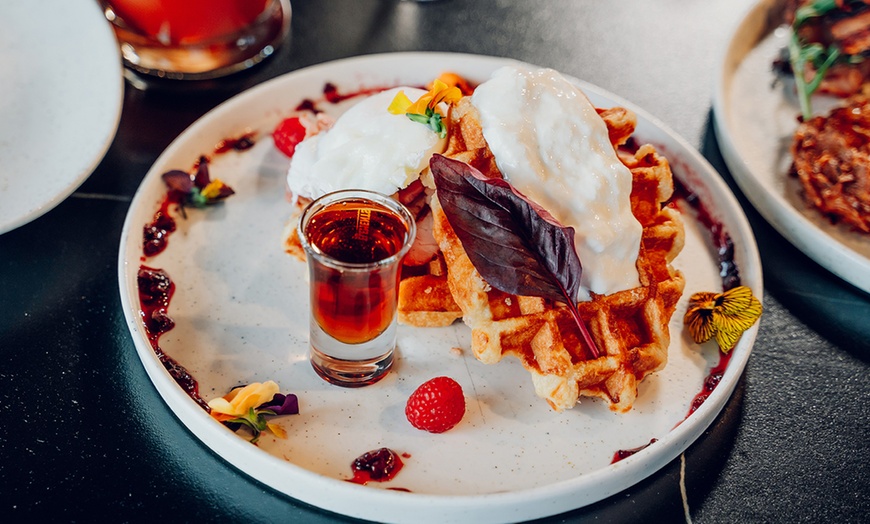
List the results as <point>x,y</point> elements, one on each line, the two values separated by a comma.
<point>86,437</point>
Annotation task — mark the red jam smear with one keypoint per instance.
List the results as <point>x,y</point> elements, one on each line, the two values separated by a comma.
<point>710,383</point>
<point>155,234</point>
<point>332,95</point>
<point>720,238</point>
<point>728,271</point>
<point>379,465</point>
<point>155,293</point>
<point>241,143</point>
<point>625,453</point>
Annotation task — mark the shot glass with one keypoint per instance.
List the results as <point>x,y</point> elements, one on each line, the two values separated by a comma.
<point>196,39</point>
<point>354,242</point>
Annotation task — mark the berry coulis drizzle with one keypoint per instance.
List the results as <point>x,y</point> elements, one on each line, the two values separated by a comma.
<point>241,143</point>
<point>332,95</point>
<point>155,234</point>
<point>730,275</point>
<point>728,271</point>
<point>155,293</point>
<point>720,238</point>
<point>156,287</point>
<point>380,465</point>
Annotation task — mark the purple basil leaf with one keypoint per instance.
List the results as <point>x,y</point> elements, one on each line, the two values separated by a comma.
<point>202,178</point>
<point>177,180</point>
<point>282,404</point>
<point>515,246</point>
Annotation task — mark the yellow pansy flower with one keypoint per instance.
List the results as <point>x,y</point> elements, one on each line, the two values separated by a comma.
<point>723,316</point>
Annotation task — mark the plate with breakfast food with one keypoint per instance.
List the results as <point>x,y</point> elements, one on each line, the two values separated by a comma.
<point>798,145</point>
<point>579,302</point>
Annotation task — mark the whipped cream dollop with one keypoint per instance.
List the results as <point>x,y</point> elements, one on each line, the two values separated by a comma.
<point>550,143</point>
<point>367,148</point>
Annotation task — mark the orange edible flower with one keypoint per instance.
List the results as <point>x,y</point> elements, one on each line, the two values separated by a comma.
<point>454,80</point>
<point>439,92</point>
<point>723,316</point>
<point>425,110</point>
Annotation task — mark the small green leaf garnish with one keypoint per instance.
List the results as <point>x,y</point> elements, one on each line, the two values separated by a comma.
<point>804,54</point>
<point>254,420</point>
<point>822,59</point>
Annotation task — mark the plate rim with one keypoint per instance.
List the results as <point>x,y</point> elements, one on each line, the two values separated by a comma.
<point>838,258</point>
<point>512,505</point>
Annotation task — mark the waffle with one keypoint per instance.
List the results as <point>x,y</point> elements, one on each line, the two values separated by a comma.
<point>630,328</point>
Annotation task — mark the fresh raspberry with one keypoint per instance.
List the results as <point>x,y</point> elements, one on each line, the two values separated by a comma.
<point>288,134</point>
<point>436,406</point>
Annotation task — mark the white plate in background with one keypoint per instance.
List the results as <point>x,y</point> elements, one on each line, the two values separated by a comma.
<point>61,93</point>
<point>755,121</point>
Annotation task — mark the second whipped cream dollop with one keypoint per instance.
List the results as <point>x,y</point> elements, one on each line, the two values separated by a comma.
<point>367,148</point>
<point>550,143</point>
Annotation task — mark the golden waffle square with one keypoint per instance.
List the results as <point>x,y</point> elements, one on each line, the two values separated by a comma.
<point>629,327</point>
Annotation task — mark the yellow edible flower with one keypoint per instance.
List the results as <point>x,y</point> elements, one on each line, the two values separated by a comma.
<point>400,104</point>
<point>454,80</point>
<point>249,406</point>
<point>213,190</point>
<point>425,110</point>
<point>239,401</point>
<point>723,316</point>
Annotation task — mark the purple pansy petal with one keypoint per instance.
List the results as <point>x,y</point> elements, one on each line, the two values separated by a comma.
<point>177,180</point>
<point>282,404</point>
<point>202,177</point>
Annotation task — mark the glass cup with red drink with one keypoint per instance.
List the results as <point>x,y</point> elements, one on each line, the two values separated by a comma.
<point>196,39</point>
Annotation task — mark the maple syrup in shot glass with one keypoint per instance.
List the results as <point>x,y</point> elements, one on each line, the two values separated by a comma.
<point>354,242</point>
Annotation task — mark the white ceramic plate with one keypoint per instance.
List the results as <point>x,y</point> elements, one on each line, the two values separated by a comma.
<point>62,90</point>
<point>241,316</point>
<point>755,120</point>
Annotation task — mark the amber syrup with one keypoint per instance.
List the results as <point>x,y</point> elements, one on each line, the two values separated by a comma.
<point>355,304</point>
